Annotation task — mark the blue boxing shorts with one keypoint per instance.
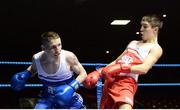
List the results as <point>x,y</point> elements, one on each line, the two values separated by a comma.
<point>47,101</point>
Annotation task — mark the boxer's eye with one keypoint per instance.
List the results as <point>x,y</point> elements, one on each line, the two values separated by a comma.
<point>52,47</point>
<point>59,44</point>
<point>145,27</point>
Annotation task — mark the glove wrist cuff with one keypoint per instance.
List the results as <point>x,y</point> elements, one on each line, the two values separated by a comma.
<point>74,84</point>
<point>26,75</point>
<point>125,68</point>
<point>99,72</point>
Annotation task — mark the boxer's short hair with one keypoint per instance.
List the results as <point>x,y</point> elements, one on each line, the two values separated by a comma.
<point>46,37</point>
<point>154,20</point>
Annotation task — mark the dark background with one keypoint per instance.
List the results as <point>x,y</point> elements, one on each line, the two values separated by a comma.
<point>84,27</point>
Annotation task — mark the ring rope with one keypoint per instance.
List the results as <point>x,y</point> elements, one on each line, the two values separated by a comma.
<point>99,83</point>
<point>84,64</point>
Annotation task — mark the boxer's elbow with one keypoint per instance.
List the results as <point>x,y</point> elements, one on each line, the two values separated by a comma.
<point>144,69</point>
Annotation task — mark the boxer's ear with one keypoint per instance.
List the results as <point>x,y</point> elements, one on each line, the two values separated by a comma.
<point>156,29</point>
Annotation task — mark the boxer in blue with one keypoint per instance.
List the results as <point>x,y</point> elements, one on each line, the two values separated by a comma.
<point>55,68</point>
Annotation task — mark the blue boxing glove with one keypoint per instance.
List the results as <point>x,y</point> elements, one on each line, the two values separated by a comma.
<point>19,79</point>
<point>64,93</point>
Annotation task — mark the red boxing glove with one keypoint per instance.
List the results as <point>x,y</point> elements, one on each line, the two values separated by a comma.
<point>111,71</point>
<point>92,78</point>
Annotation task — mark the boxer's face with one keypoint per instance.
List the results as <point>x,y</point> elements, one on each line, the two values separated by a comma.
<point>53,48</point>
<point>147,31</point>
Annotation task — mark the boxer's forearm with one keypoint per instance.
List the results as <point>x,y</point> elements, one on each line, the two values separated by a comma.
<point>81,77</point>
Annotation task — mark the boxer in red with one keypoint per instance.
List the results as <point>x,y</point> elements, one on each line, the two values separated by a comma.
<point>121,75</point>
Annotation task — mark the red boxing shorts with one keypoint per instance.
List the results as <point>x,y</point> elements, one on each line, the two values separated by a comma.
<point>121,91</point>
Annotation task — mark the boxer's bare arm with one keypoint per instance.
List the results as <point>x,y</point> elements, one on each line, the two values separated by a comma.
<point>155,53</point>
